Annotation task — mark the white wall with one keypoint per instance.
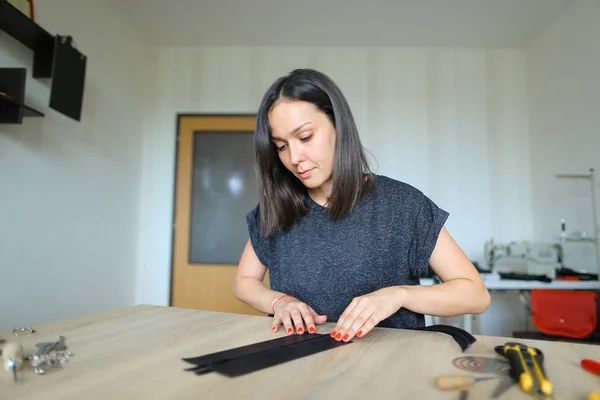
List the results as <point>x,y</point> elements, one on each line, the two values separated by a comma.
<point>452,122</point>
<point>70,190</point>
<point>564,85</point>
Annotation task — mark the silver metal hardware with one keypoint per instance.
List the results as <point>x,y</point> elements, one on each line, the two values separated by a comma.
<point>25,330</point>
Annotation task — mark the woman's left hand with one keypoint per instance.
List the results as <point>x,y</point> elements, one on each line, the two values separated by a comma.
<point>365,312</point>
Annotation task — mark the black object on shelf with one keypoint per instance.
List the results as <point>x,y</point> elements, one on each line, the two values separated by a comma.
<point>26,31</point>
<point>54,56</point>
<point>524,277</point>
<point>581,276</point>
<point>12,97</point>
<point>68,78</point>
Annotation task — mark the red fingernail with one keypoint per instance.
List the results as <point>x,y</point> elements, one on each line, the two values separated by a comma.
<point>359,334</point>
<point>273,329</point>
<point>311,329</point>
<point>338,336</point>
<point>290,330</point>
<point>332,333</point>
<point>345,337</point>
<point>300,330</point>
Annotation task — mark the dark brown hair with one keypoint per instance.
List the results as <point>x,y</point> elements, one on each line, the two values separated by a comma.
<point>283,199</point>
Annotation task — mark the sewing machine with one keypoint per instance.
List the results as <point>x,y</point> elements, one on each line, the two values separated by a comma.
<point>524,257</point>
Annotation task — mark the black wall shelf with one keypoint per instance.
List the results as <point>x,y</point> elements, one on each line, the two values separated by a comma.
<point>26,31</point>
<point>54,57</point>
<point>12,97</point>
<point>8,103</point>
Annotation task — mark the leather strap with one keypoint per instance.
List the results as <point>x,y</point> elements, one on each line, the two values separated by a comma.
<point>237,352</point>
<point>242,360</point>
<point>463,338</point>
<point>254,357</point>
<point>269,358</point>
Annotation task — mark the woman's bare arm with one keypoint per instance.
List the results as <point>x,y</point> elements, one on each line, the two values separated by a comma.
<point>462,290</point>
<point>249,286</point>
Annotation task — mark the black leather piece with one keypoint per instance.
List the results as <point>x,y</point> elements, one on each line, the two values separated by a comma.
<point>237,352</point>
<point>460,336</point>
<point>242,360</point>
<point>250,358</point>
<point>456,333</point>
<point>463,338</point>
<point>524,277</point>
<point>269,358</point>
<point>200,369</point>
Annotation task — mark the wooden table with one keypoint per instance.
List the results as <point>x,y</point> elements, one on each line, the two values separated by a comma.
<point>136,353</point>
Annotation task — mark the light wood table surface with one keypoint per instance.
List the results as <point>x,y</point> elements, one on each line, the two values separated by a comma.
<point>136,353</point>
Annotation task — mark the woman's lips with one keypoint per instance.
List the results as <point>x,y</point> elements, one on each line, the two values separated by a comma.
<point>305,174</point>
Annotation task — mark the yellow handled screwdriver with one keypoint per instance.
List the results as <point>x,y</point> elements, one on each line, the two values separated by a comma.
<point>12,356</point>
<point>450,382</point>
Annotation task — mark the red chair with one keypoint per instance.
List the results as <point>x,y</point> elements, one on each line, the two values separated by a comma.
<point>563,315</point>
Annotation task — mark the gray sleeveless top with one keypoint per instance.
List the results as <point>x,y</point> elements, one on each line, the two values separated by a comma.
<point>386,240</point>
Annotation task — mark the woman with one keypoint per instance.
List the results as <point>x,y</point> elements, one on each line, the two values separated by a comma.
<point>340,242</point>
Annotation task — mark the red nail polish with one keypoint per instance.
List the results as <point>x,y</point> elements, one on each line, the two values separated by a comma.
<point>338,336</point>
<point>290,330</point>
<point>345,337</point>
<point>332,333</point>
<point>273,329</point>
<point>311,329</point>
<point>359,334</point>
<point>300,330</point>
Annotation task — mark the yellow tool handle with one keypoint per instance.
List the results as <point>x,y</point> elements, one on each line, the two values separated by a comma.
<point>453,382</point>
<point>594,396</point>
<point>519,367</point>
<point>545,386</point>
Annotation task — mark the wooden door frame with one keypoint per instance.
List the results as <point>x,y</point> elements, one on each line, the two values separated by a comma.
<point>181,203</point>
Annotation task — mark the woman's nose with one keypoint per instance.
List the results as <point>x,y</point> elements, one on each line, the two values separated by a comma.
<point>296,155</point>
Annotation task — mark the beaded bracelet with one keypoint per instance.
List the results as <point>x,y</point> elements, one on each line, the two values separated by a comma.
<point>279,298</point>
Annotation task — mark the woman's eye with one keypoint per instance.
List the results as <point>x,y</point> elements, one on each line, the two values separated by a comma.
<point>305,138</point>
<point>280,148</point>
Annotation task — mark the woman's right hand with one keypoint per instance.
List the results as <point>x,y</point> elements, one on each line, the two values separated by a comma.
<point>296,316</point>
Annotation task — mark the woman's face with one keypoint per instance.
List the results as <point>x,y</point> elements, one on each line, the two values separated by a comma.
<point>305,141</point>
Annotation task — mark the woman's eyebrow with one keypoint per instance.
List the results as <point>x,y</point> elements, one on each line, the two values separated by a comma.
<point>294,131</point>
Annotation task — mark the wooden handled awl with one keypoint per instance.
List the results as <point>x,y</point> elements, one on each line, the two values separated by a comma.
<point>450,382</point>
<point>12,356</point>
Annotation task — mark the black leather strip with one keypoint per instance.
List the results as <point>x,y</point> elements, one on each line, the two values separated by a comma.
<point>257,356</point>
<point>269,358</point>
<point>200,369</point>
<point>460,336</point>
<point>237,352</point>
